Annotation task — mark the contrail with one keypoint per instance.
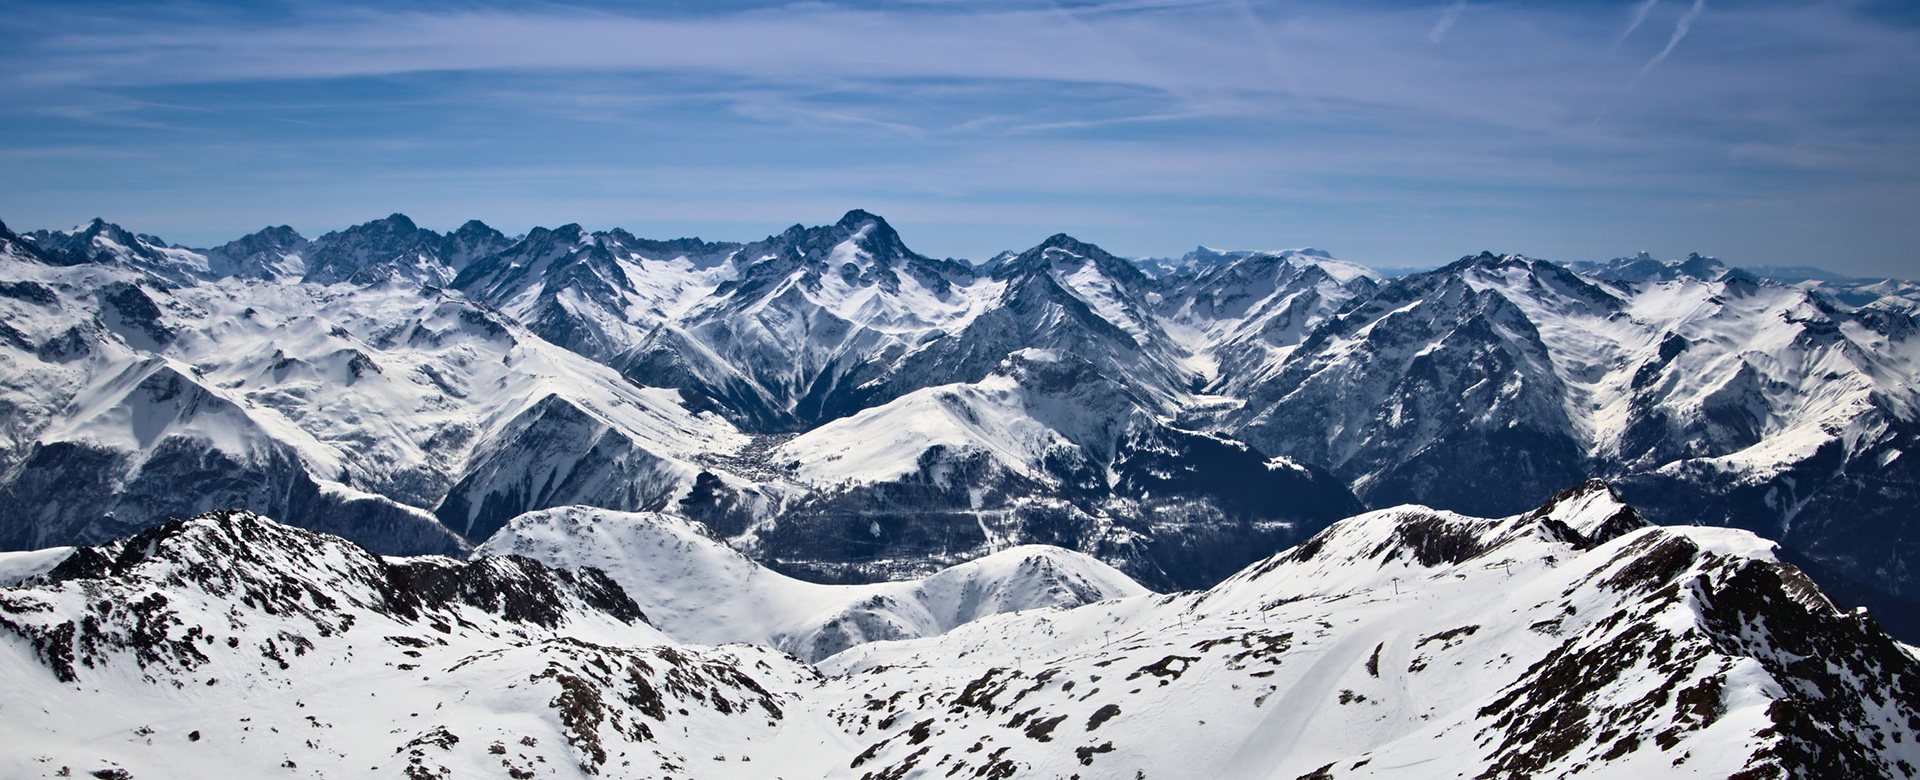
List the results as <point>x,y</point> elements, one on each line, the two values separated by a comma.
<point>1679,32</point>
<point>1446,22</point>
<point>1639,16</point>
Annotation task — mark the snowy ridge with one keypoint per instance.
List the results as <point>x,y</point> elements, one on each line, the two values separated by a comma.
<point>1047,448</point>
<point>598,294</point>
<point>236,646</point>
<point>18,566</point>
<point>1571,641</point>
<point>812,326</point>
<point>1515,649</point>
<point>886,442</point>
<point>1707,401</point>
<point>698,590</point>
<point>1242,312</point>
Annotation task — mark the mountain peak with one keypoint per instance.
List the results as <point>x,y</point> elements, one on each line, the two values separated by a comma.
<point>858,217</point>
<point>271,252</point>
<point>875,235</point>
<point>1063,241</point>
<point>263,239</point>
<point>398,221</point>
<point>1487,259</point>
<point>1043,256</point>
<point>1206,256</point>
<point>480,235</point>
<point>378,251</point>
<point>1644,267</point>
<point>1592,508</point>
<point>101,227</point>
<point>876,239</point>
<point>546,237</point>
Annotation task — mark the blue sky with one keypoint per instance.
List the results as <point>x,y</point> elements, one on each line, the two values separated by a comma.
<point>1388,133</point>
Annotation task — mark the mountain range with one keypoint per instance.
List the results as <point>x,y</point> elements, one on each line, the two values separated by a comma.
<point>845,410</point>
<point>1571,640</point>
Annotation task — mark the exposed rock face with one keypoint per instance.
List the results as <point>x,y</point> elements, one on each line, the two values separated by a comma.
<point>395,249</point>
<point>117,605</point>
<point>322,656</point>
<point>1570,641</point>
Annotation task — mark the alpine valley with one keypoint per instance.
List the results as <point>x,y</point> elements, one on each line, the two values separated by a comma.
<point>833,508</point>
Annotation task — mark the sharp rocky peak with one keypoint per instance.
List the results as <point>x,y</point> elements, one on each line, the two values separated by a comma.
<point>1592,510</point>
<point>14,245</point>
<point>287,573</point>
<point>1064,251</point>
<point>1205,255</point>
<point>395,222</point>
<point>395,248</point>
<point>105,243</point>
<point>1487,259</point>
<point>395,227</point>
<point>571,232</point>
<point>1071,245</point>
<point>1582,517</point>
<point>265,239</point>
<point>874,235</point>
<point>1644,267</point>
<point>878,243</point>
<point>858,218</point>
<point>475,239</point>
<point>80,238</point>
<point>475,227</point>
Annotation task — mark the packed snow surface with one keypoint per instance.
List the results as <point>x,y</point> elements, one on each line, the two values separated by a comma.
<point>698,590</point>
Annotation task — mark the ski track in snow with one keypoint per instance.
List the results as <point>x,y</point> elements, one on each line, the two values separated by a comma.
<point>1270,744</point>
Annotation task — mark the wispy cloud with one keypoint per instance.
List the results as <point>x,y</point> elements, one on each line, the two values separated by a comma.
<point>977,107</point>
<point>1447,20</point>
<point>1081,124</point>
<point>1640,12</point>
<point>1680,29</point>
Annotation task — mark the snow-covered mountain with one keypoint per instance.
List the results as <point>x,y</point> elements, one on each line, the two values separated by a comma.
<point>1048,448</point>
<point>1644,267</point>
<point>774,332</point>
<point>233,646</point>
<point>1572,640</point>
<point>1241,313</point>
<point>103,243</point>
<point>396,250</point>
<point>1734,402</point>
<point>698,590</point>
<point>845,409</point>
<point>357,410</point>
<point>597,294</point>
<point>1861,292</point>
